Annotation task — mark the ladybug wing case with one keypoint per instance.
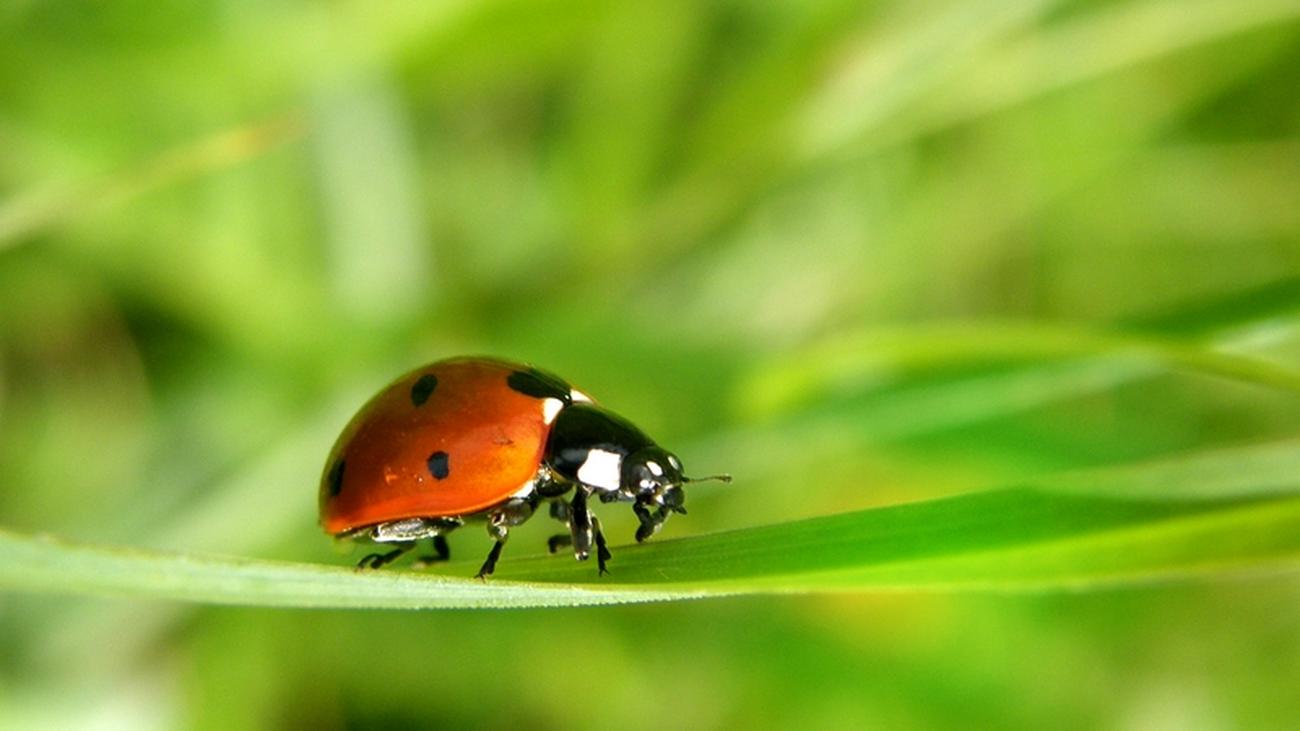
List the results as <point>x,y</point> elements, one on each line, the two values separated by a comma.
<point>449,439</point>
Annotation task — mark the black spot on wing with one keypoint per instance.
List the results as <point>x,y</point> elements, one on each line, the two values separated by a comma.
<point>539,384</point>
<point>439,466</point>
<point>335,478</point>
<point>423,388</point>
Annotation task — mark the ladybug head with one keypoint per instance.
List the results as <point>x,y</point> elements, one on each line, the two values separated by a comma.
<point>653,476</point>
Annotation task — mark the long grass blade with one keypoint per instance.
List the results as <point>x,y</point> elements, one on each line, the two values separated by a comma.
<point>1016,539</point>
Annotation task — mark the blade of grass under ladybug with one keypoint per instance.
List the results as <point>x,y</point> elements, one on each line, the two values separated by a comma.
<point>1013,539</point>
<point>46,565</point>
<point>1016,539</point>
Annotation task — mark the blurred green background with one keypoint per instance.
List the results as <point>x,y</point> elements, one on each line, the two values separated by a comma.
<point>223,225</point>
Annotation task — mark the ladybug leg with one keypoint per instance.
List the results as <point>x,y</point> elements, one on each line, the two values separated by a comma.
<point>584,528</point>
<point>559,511</point>
<point>490,564</point>
<point>441,552</point>
<point>580,529</point>
<point>376,560</point>
<point>602,551</point>
<point>650,521</point>
<point>500,521</point>
<point>558,541</point>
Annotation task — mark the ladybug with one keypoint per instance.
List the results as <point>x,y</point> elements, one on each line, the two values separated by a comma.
<point>471,438</point>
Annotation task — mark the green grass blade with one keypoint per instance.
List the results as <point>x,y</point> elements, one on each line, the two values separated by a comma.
<point>46,565</point>
<point>1013,539</point>
<point>1016,539</point>
<point>867,358</point>
<point>29,214</point>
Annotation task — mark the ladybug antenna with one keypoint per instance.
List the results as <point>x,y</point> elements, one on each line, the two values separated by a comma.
<point>719,478</point>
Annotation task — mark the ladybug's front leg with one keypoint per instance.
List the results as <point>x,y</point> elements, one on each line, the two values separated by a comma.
<point>651,521</point>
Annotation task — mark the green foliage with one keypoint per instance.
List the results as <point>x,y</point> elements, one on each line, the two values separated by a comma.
<point>992,308</point>
<point>1009,540</point>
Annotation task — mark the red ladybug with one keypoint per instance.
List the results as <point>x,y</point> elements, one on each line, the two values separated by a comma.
<point>478,437</point>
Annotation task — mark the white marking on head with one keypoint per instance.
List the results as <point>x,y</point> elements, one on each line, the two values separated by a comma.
<point>550,409</point>
<point>579,397</point>
<point>655,469</point>
<point>673,461</point>
<point>601,469</point>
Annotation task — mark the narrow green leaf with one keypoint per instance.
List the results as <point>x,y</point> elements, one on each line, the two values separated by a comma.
<point>859,361</point>
<point>1011,539</point>
<point>1242,471</point>
<point>1016,539</point>
<point>27,214</point>
<point>47,565</point>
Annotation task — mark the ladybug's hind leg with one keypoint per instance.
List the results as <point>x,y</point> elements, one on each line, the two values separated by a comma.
<point>405,534</point>
<point>376,560</point>
<point>441,552</point>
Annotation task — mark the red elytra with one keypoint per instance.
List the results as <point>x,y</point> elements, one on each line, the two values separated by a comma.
<point>493,438</point>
